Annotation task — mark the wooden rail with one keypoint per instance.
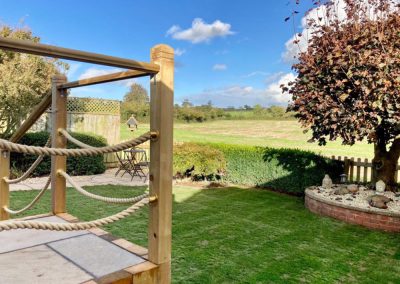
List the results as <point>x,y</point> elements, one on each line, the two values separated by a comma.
<point>77,55</point>
<point>359,170</point>
<point>32,118</point>
<point>129,74</point>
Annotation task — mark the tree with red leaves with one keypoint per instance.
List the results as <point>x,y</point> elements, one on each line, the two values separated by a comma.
<point>348,83</point>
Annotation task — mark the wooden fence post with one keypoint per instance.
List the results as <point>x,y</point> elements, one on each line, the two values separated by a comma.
<point>59,120</point>
<point>4,187</point>
<point>161,120</point>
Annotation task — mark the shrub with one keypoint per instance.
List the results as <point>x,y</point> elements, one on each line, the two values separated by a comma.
<point>287,170</point>
<point>208,162</point>
<point>86,165</point>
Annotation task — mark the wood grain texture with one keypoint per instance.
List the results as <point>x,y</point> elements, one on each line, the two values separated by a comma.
<point>161,120</point>
<point>77,55</point>
<point>59,120</point>
<point>4,187</point>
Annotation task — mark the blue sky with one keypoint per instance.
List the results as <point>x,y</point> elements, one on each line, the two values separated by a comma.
<point>229,52</point>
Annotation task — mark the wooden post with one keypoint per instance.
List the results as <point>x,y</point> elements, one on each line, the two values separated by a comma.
<point>365,170</point>
<point>59,120</point>
<point>358,169</point>
<point>161,120</point>
<point>4,187</point>
<point>351,169</point>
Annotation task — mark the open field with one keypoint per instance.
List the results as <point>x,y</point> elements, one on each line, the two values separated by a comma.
<point>271,133</point>
<point>234,235</point>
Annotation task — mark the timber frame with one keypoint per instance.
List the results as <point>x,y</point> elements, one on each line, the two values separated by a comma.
<point>161,71</point>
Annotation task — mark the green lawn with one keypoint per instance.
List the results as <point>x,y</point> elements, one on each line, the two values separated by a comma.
<point>237,235</point>
<point>270,133</point>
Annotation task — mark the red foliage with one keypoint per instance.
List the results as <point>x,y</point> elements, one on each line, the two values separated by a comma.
<point>348,83</point>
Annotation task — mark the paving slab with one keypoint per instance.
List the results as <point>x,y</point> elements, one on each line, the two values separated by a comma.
<point>107,178</point>
<point>95,255</point>
<point>24,238</point>
<point>37,265</point>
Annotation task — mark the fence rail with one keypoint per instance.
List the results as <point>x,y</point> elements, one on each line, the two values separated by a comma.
<point>359,170</point>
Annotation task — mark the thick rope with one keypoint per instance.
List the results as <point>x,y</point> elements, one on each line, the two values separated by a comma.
<point>13,147</point>
<point>99,197</point>
<point>30,170</point>
<point>33,202</point>
<point>9,225</point>
<point>74,140</point>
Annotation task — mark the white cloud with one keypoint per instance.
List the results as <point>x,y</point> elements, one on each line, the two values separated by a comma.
<point>318,14</point>
<point>238,95</point>
<point>179,51</point>
<point>220,67</point>
<point>93,72</point>
<point>73,68</point>
<point>200,31</point>
<point>255,73</point>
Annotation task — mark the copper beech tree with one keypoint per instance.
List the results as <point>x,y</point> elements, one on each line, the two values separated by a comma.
<point>348,83</point>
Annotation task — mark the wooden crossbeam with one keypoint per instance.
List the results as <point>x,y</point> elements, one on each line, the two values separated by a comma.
<point>32,118</point>
<point>77,55</point>
<point>129,74</point>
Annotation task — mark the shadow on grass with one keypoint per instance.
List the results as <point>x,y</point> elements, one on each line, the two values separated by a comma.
<point>297,170</point>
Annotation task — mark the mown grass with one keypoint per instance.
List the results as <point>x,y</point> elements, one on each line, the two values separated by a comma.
<point>234,235</point>
<point>271,133</point>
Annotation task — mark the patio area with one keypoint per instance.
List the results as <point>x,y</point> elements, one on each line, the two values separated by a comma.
<point>107,178</point>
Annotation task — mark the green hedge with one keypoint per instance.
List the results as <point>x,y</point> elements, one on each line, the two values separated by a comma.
<point>209,163</point>
<point>286,170</point>
<point>75,165</point>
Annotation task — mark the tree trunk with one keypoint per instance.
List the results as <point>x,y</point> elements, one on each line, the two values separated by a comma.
<point>384,164</point>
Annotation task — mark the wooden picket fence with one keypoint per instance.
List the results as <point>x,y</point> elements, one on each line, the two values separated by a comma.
<point>359,170</point>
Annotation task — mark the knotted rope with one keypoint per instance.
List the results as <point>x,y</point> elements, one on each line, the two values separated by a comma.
<point>9,225</point>
<point>19,148</point>
<point>33,202</point>
<point>31,168</point>
<point>99,197</point>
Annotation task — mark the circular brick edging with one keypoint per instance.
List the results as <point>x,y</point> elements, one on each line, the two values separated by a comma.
<point>373,219</point>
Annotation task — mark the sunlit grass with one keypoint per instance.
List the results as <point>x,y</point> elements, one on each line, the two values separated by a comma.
<point>237,235</point>
<point>264,133</point>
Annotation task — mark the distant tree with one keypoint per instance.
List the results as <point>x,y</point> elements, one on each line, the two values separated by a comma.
<point>136,102</point>
<point>258,109</point>
<point>348,84</point>
<point>186,103</point>
<point>247,107</point>
<point>24,80</point>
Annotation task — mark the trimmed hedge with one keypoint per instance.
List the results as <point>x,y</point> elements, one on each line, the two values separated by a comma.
<point>87,165</point>
<point>286,170</point>
<point>209,163</point>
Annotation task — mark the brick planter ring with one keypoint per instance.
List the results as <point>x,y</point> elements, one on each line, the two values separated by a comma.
<point>371,218</point>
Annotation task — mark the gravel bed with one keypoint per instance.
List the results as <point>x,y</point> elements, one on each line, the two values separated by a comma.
<point>359,199</point>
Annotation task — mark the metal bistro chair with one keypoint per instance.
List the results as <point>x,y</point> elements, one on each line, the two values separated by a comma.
<point>139,163</point>
<point>124,164</point>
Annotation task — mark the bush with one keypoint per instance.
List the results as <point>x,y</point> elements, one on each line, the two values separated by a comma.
<point>286,170</point>
<point>86,165</point>
<point>208,162</point>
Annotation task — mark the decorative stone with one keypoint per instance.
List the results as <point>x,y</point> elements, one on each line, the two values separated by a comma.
<point>327,182</point>
<point>379,201</point>
<point>341,191</point>
<point>353,188</point>
<point>380,187</point>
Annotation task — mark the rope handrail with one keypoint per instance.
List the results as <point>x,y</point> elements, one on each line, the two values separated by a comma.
<point>54,226</point>
<point>32,203</point>
<point>74,140</point>
<point>99,197</point>
<point>31,168</point>
<point>35,150</point>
